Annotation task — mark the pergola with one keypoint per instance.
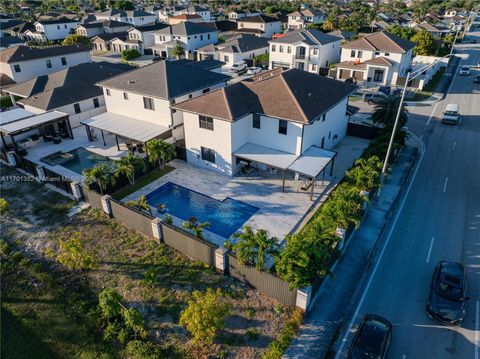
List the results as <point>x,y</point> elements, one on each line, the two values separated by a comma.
<point>311,163</point>
<point>127,127</point>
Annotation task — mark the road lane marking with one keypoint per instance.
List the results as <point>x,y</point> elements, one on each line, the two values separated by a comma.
<point>445,185</point>
<point>477,329</point>
<point>430,249</point>
<point>385,245</point>
<point>431,115</point>
<point>454,145</point>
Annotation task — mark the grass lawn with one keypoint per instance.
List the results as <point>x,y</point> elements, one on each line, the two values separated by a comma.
<point>141,182</point>
<point>430,88</point>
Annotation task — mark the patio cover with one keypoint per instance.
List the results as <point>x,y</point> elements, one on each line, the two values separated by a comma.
<point>312,162</point>
<point>30,123</point>
<point>265,155</point>
<point>14,115</point>
<point>137,130</point>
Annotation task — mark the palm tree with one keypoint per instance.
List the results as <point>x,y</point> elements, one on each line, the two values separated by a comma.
<point>102,174</point>
<point>366,173</point>
<point>196,226</point>
<point>329,24</point>
<point>385,111</point>
<point>178,51</point>
<point>161,151</point>
<point>141,204</point>
<point>128,165</point>
<point>344,206</point>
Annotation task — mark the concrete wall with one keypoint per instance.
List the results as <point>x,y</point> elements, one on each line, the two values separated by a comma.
<point>236,57</point>
<point>56,31</point>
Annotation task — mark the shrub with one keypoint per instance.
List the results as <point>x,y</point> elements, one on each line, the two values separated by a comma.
<point>73,254</point>
<point>282,342</point>
<point>74,39</point>
<point>3,206</point>
<point>130,54</point>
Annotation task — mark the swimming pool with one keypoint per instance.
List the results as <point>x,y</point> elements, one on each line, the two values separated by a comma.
<point>83,158</point>
<point>225,217</point>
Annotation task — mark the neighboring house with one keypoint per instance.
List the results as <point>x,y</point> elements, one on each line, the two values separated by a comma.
<point>10,41</point>
<point>380,58</point>
<point>202,11</point>
<point>241,47</point>
<point>144,96</point>
<point>309,50</point>
<point>135,17</point>
<point>343,35</point>
<point>438,30</point>
<point>72,90</point>
<point>191,36</point>
<point>95,28</point>
<point>301,19</point>
<point>144,34</point>
<point>225,28</point>
<point>103,42</point>
<point>52,30</point>
<point>240,14</point>
<point>167,11</point>
<point>280,113</point>
<point>177,19</point>
<point>22,63</point>
<point>260,25</point>
<point>18,29</point>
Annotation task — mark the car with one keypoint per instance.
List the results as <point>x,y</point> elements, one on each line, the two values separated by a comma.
<point>448,289</point>
<point>397,92</point>
<point>254,70</point>
<point>384,89</point>
<point>372,338</point>
<point>465,71</point>
<point>238,67</point>
<point>477,79</point>
<point>373,97</point>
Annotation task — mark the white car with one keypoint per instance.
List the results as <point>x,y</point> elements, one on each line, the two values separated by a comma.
<point>238,67</point>
<point>465,71</point>
<point>254,70</point>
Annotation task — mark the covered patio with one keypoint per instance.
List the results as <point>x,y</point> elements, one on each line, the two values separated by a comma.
<point>311,163</point>
<point>134,133</point>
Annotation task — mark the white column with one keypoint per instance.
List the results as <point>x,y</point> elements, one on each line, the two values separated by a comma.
<point>11,159</point>
<point>303,298</point>
<point>106,204</point>
<point>14,101</point>
<point>77,194</point>
<point>157,229</point>
<point>220,259</point>
<point>41,173</point>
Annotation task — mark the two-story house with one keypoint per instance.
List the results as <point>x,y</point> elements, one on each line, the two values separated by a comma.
<point>18,29</point>
<point>240,14</point>
<point>22,63</point>
<point>202,11</point>
<point>191,36</point>
<point>52,30</point>
<point>94,28</point>
<point>277,116</point>
<point>300,19</point>
<point>380,58</point>
<point>235,49</point>
<point>176,19</point>
<point>142,99</point>
<point>144,35</point>
<point>84,99</point>
<point>135,17</point>
<point>260,25</point>
<point>165,12</point>
<point>309,50</point>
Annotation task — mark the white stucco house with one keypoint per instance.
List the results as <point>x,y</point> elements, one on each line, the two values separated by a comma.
<point>380,58</point>
<point>309,50</point>
<point>22,63</point>
<point>260,25</point>
<point>52,30</point>
<point>135,17</point>
<point>240,14</point>
<point>95,28</point>
<point>300,19</point>
<point>278,115</point>
<point>200,10</point>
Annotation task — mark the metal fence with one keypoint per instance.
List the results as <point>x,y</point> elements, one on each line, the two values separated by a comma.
<point>264,282</point>
<point>57,180</point>
<point>94,198</point>
<point>133,218</point>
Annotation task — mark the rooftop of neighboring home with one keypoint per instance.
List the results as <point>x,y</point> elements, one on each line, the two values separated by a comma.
<point>293,95</point>
<point>243,43</point>
<point>186,28</point>
<point>186,17</point>
<point>67,86</point>
<point>6,41</point>
<point>424,25</point>
<point>104,23</point>
<point>26,53</point>
<point>344,35</point>
<point>123,13</point>
<point>149,27</point>
<point>306,36</point>
<point>55,21</point>
<point>123,35</point>
<point>197,8</point>
<point>221,25</point>
<point>306,12</point>
<point>165,80</point>
<point>258,19</point>
<point>209,64</point>
<point>381,41</point>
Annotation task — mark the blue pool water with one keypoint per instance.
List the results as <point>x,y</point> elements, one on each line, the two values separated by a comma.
<point>84,159</point>
<point>225,217</point>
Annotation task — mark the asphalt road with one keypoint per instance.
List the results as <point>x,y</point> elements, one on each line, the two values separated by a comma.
<point>440,220</point>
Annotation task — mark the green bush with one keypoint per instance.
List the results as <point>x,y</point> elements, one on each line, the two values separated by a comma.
<point>5,102</point>
<point>278,346</point>
<point>3,206</point>
<point>130,54</point>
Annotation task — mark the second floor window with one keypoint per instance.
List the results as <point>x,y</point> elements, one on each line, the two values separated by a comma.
<point>280,48</point>
<point>273,48</point>
<point>289,49</point>
<point>282,127</point>
<point>206,122</point>
<point>148,103</point>
<point>256,120</point>
<point>359,54</point>
<point>17,68</point>
<point>77,108</point>
<point>107,91</point>
<point>226,58</point>
<point>96,104</point>
<point>49,64</point>
<point>352,53</point>
<point>64,61</point>
<point>125,96</point>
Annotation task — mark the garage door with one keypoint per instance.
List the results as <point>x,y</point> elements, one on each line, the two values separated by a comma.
<point>344,74</point>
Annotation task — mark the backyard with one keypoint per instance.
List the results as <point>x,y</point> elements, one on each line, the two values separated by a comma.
<point>52,311</point>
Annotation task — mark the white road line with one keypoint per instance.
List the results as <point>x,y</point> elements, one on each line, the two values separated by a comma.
<point>385,245</point>
<point>430,249</point>
<point>477,329</point>
<point>431,115</point>
<point>454,145</point>
<point>445,185</point>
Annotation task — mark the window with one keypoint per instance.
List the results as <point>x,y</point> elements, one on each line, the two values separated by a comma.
<point>352,53</point>
<point>282,127</point>
<point>107,91</point>
<point>77,108</point>
<point>148,103</point>
<point>208,36</point>
<point>315,51</point>
<point>314,67</point>
<point>289,49</point>
<point>377,53</point>
<point>49,64</point>
<point>206,90</point>
<point>359,54</point>
<point>190,96</point>
<point>226,58</point>
<point>201,37</point>
<point>96,104</point>
<point>208,154</point>
<point>387,54</point>
<point>256,120</point>
<point>205,122</point>
<point>280,48</point>
<point>64,61</point>
<point>323,117</point>
<point>65,26</point>
<point>58,27</point>
<point>125,96</point>
<point>273,48</point>
<point>17,68</point>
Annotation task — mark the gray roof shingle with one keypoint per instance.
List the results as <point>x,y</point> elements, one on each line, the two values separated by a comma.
<point>25,53</point>
<point>311,37</point>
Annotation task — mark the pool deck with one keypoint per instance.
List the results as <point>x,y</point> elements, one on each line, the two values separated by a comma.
<point>279,212</point>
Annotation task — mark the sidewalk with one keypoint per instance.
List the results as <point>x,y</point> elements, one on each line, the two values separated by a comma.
<point>324,318</point>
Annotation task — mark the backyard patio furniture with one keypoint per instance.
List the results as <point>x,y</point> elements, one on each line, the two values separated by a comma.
<point>57,140</point>
<point>48,138</point>
<point>64,135</point>
<point>34,137</point>
<point>305,186</point>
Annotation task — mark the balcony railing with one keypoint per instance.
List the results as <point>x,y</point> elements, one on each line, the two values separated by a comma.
<point>300,56</point>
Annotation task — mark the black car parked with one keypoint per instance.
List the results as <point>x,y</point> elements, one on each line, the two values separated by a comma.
<point>372,339</point>
<point>373,97</point>
<point>446,302</point>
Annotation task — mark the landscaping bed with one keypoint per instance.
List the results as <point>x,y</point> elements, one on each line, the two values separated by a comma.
<point>430,88</point>
<point>52,311</point>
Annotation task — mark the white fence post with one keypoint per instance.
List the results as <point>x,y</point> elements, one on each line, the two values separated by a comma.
<point>11,159</point>
<point>107,208</point>
<point>157,229</point>
<point>220,259</point>
<point>41,173</point>
<point>75,185</point>
<point>303,298</point>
